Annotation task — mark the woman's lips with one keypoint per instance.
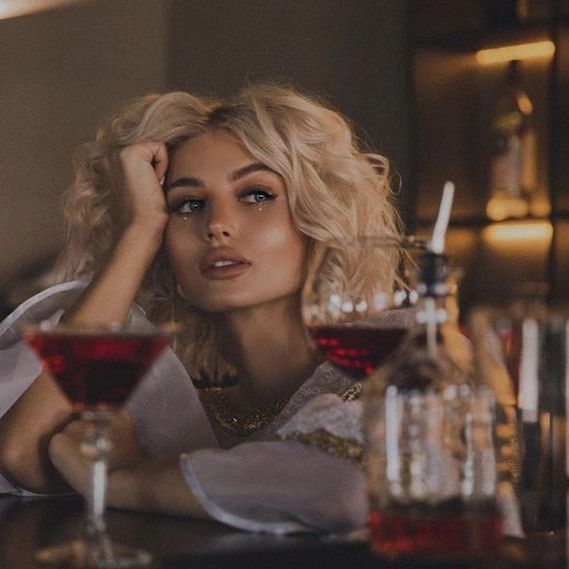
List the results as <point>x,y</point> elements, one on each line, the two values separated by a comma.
<point>222,264</point>
<point>231,271</point>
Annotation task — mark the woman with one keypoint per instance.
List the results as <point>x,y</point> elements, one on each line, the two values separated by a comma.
<point>210,213</point>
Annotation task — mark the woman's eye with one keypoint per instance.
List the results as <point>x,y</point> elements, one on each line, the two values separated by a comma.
<point>257,196</point>
<point>191,205</point>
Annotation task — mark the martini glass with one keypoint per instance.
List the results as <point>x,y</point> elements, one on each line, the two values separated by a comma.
<point>97,368</point>
<point>352,309</point>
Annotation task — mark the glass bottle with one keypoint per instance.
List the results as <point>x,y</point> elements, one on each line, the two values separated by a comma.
<point>532,10</point>
<point>430,437</point>
<point>513,157</point>
<point>531,342</point>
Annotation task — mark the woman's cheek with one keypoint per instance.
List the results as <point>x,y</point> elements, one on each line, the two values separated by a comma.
<point>179,253</point>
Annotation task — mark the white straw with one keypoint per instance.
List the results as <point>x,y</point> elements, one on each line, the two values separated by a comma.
<point>437,244</point>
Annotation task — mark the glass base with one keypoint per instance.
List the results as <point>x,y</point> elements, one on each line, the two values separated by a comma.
<point>103,555</point>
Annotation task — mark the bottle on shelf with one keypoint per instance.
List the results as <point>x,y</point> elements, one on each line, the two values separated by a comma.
<point>513,158</point>
<point>512,13</point>
<point>533,10</point>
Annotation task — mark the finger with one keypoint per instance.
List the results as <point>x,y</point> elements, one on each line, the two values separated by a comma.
<point>59,446</point>
<point>77,428</point>
<point>66,457</point>
<point>160,161</point>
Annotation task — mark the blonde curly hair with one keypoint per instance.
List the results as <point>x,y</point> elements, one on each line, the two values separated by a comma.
<point>335,190</point>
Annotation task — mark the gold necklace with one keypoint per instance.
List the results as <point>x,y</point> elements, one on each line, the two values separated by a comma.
<point>243,423</point>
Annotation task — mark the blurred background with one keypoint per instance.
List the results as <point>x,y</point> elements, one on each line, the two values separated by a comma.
<point>423,80</point>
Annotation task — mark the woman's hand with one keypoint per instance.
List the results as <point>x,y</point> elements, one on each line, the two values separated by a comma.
<point>143,168</point>
<point>65,450</point>
<point>65,454</point>
<point>110,295</point>
<point>155,485</point>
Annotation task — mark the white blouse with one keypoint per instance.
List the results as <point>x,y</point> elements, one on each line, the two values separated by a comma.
<point>299,473</point>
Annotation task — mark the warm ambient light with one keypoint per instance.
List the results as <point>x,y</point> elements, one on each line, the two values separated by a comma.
<point>16,8</point>
<point>519,231</point>
<point>521,51</point>
<point>500,208</point>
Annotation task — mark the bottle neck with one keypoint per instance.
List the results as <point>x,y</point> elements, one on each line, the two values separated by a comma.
<point>515,100</point>
<point>431,315</point>
<point>437,306</point>
<point>437,288</point>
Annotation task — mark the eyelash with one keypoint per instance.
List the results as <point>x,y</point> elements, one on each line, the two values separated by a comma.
<point>267,195</point>
<point>180,207</point>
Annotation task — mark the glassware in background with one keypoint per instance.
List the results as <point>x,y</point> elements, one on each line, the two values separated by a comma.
<point>534,10</point>
<point>430,431</point>
<point>492,369</point>
<point>350,306</point>
<point>531,340</point>
<point>97,368</point>
<point>513,160</point>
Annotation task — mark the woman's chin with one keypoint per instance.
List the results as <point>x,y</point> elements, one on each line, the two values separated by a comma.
<point>223,304</point>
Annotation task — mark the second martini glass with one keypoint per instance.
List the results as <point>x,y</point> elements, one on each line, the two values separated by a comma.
<point>349,301</point>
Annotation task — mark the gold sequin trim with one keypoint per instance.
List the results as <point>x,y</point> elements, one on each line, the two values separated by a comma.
<point>255,418</point>
<point>332,444</point>
<point>242,424</point>
<point>352,393</point>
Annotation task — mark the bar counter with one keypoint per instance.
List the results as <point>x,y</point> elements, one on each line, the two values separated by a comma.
<point>28,524</point>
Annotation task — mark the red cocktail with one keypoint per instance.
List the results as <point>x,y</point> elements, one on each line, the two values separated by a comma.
<point>358,350</point>
<point>351,300</point>
<point>96,370</point>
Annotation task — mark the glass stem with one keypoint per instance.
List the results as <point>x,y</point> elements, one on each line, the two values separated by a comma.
<point>96,447</point>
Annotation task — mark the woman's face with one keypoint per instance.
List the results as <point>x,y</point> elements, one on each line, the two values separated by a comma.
<point>230,238</point>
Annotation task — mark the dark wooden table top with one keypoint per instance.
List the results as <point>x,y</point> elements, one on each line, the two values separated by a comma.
<point>28,524</point>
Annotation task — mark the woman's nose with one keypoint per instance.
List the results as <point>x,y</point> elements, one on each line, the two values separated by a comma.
<point>221,222</point>
<point>217,231</point>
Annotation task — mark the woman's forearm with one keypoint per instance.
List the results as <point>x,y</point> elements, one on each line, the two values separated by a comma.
<point>109,297</point>
<point>26,428</point>
<point>154,486</point>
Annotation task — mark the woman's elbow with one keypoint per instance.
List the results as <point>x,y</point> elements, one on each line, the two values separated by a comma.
<point>25,466</point>
<point>15,464</point>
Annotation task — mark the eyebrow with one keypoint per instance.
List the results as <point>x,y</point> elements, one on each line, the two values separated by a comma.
<point>193,182</point>
<point>250,168</point>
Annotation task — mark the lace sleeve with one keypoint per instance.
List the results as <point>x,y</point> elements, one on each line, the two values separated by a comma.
<point>331,423</point>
